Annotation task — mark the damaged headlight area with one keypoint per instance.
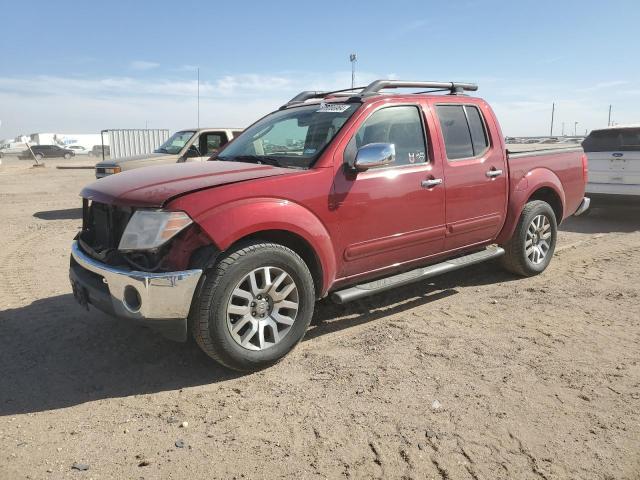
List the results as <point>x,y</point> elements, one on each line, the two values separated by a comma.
<point>150,229</point>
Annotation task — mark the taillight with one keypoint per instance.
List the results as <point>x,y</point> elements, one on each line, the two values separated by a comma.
<point>585,168</point>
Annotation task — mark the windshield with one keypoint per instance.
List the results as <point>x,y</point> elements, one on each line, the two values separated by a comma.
<point>611,140</point>
<point>176,142</point>
<point>290,138</point>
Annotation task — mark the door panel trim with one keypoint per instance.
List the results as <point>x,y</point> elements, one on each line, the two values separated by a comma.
<point>472,224</point>
<point>393,242</point>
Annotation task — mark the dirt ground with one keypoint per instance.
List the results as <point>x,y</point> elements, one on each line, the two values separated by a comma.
<point>476,375</point>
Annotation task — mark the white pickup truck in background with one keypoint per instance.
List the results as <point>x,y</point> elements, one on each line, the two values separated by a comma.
<point>192,145</point>
<point>614,161</point>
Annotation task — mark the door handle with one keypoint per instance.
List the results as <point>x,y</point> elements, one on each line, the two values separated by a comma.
<point>494,173</point>
<point>431,182</point>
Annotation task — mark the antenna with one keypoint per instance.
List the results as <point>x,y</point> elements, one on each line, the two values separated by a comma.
<point>198,97</point>
<point>353,58</point>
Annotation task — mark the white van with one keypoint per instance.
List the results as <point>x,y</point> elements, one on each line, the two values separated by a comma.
<point>614,160</point>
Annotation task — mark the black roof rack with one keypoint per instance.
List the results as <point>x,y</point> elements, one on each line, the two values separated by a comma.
<point>357,93</point>
<point>455,87</point>
<point>309,94</point>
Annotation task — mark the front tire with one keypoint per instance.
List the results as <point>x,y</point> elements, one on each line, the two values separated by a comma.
<point>67,156</point>
<point>254,306</point>
<point>533,242</point>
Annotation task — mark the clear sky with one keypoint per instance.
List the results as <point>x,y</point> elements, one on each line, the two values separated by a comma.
<point>83,66</point>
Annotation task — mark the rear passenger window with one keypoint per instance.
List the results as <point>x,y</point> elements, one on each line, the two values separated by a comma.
<point>455,129</point>
<point>478,132</point>
<point>464,132</point>
<point>401,126</point>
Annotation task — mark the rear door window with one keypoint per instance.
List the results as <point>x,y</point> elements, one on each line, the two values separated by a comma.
<point>455,129</point>
<point>464,131</point>
<point>478,132</point>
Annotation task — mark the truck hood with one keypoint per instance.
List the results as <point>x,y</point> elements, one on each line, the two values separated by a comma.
<point>154,186</point>
<point>132,158</point>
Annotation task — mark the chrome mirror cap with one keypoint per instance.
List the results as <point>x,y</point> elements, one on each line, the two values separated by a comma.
<point>374,155</point>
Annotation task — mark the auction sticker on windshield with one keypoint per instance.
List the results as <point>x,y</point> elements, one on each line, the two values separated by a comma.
<point>333,108</point>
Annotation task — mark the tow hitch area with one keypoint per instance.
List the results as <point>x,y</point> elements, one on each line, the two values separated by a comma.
<point>80,294</point>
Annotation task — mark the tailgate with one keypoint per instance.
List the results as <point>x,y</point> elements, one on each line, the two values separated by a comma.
<point>614,167</point>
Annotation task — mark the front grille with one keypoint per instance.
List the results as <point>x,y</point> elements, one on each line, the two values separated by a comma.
<point>103,225</point>
<point>102,229</point>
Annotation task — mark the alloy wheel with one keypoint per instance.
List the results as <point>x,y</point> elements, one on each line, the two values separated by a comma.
<point>262,308</point>
<point>538,240</point>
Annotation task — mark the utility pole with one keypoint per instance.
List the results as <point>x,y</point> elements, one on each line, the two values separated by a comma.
<point>198,123</point>
<point>353,58</point>
<point>553,111</point>
<point>609,121</point>
<point>575,129</point>
<point>563,129</point>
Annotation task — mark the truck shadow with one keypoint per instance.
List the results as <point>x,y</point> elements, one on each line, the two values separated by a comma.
<point>55,354</point>
<point>605,218</point>
<point>330,317</point>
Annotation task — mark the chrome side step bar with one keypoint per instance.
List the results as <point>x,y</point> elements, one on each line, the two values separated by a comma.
<point>377,286</point>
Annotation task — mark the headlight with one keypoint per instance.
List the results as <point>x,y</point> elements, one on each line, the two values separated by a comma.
<point>149,229</point>
<point>112,170</point>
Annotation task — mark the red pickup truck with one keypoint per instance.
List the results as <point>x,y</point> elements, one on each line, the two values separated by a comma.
<point>342,194</point>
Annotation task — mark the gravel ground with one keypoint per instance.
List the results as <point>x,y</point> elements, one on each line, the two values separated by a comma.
<point>476,375</point>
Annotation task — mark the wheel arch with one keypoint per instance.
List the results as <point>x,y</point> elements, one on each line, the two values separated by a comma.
<point>295,242</point>
<point>539,184</point>
<point>277,220</point>
<point>550,196</point>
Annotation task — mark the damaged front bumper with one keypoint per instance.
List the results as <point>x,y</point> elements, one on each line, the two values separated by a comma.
<point>160,300</point>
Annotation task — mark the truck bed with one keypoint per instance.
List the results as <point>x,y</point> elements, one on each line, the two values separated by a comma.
<point>563,165</point>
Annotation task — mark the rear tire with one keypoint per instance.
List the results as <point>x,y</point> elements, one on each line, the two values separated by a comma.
<point>254,306</point>
<point>531,247</point>
<point>67,156</point>
<point>39,156</point>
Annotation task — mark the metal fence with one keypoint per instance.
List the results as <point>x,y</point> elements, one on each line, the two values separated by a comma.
<point>128,142</point>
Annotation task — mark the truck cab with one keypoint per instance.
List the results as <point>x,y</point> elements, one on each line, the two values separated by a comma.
<point>191,145</point>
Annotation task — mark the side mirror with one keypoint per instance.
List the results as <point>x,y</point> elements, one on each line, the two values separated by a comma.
<point>374,155</point>
<point>193,151</point>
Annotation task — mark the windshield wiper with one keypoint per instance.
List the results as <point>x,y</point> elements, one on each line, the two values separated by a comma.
<point>260,159</point>
<point>161,150</point>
